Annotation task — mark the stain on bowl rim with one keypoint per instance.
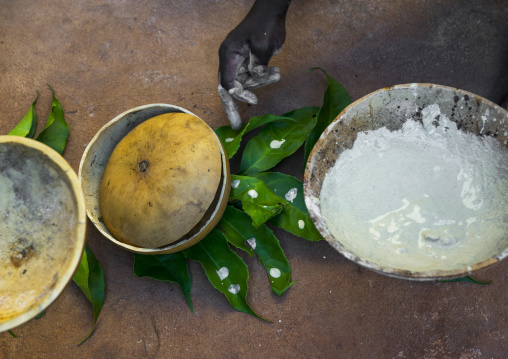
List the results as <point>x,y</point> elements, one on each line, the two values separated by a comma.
<point>390,107</point>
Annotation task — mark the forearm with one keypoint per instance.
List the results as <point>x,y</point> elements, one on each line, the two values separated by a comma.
<point>275,7</point>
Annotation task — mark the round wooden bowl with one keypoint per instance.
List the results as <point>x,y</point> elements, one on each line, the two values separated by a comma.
<point>390,108</point>
<point>42,228</point>
<point>96,156</point>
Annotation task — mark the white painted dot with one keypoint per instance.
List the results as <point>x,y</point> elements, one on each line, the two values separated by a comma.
<point>275,272</point>
<point>235,183</point>
<point>223,273</point>
<point>253,193</point>
<point>291,195</point>
<point>234,288</point>
<point>276,144</point>
<point>252,242</point>
<point>301,224</point>
<point>229,139</point>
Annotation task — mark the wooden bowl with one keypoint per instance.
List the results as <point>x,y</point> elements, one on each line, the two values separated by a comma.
<point>390,107</point>
<point>96,156</point>
<point>42,228</point>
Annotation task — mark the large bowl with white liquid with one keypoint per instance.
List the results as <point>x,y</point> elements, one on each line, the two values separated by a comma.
<point>411,181</point>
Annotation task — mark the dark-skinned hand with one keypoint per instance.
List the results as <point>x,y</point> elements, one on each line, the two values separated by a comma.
<point>245,53</point>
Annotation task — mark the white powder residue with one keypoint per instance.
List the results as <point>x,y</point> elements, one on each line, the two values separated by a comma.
<point>223,273</point>
<point>422,198</point>
<point>234,288</point>
<point>235,183</point>
<point>230,139</point>
<point>275,272</point>
<point>301,224</point>
<point>291,195</point>
<point>252,193</point>
<point>276,144</point>
<point>252,242</point>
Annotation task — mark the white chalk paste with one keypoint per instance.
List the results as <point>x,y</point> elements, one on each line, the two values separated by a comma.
<point>234,288</point>
<point>276,144</point>
<point>422,198</point>
<point>223,273</point>
<point>252,242</point>
<point>253,193</point>
<point>275,272</point>
<point>291,195</point>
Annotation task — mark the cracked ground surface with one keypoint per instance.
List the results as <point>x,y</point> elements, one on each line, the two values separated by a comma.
<point>104,57</point>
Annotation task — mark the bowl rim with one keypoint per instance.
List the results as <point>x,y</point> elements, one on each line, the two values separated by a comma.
<point>392,272</point>
<point>215,216</point>
<point>80,230</point>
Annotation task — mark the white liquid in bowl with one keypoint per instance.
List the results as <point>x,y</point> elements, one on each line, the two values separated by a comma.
<point>426,197</point>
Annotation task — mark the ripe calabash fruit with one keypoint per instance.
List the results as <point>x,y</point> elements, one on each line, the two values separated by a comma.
<point>160,180</point>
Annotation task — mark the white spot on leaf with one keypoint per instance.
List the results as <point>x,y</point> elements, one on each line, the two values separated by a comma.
<point>275,272</point>
<point>301,224</point>
<point>276,144</point>
<point>234,288</point>
<point>229,139</point>
<point>235,183</point>
<point>252,242</point>
<point>223,273</point>
<point>253,193</point>
<point>291,195</point>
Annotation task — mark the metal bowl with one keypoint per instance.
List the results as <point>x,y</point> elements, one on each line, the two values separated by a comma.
<point>390,107</point>
<point>96,156</point>
<point>42,228</point>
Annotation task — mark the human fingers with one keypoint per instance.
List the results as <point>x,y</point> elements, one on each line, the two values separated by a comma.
<point>253,82</point>
<point>230,107</point>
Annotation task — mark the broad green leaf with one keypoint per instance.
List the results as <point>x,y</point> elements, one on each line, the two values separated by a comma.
<point>90,279</point>
<point>238,229</point>
<point>466,279</point>
<point>56,132</point>
<point>335,99</point>
<point>294,216</point>
<point>226,271</point>
<point>277,141</point>
<point>231,139</point>
<point>165,267</point>
<point>258,201</point>
<point>26,127</point>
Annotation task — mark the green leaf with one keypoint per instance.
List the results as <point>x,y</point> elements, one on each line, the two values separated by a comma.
<point>231,139</point>
<point>56,132</point>
<point>294,216</point>
<point>165,267</point>
<point>40,315</point>
<point>90,279</point>
<point>258,201</point>
<point>238,229</point>
<point>12,333</point>
<point>335,99</point>
<point>224,268</point>
<point>466,279</point>
<point>26,127</point>
<point>277,141</point>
